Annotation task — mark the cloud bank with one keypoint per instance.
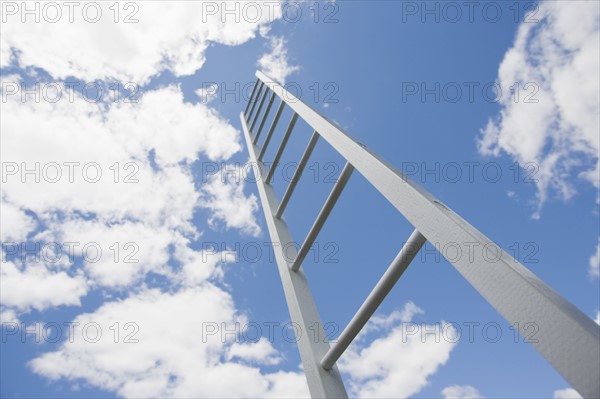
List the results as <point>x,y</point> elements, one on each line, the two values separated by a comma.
<point>554,120</point>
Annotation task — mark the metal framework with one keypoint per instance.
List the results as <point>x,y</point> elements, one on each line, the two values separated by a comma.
<point>567,338</point>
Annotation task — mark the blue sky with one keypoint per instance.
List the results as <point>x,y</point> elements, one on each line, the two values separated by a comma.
<point>364,65</point>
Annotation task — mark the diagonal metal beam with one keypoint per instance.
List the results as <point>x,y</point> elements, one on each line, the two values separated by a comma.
<point>262,86</point>
<point>383,287</point>
<point>264,118</point>
<point>262,102</point>
<point>271,130</point>
<point>252,95</point>
<point>279,153</point>
<point>301,165</point>
<point>323,215</point>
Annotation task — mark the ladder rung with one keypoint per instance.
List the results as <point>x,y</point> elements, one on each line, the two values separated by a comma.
<point>286,136</point>
<point>383,287</point>
<point>262,101</point>
<point>271,129</point>
<point>262,85</point>
<point>325,211</point>
<point>264,119</point>
<point>301,165</point>
<point>251,96</point>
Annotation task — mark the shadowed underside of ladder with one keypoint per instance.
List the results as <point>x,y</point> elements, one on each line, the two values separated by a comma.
<point>567,338</point>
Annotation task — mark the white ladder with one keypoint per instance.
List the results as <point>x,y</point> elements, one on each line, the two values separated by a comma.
<point>567,338</point>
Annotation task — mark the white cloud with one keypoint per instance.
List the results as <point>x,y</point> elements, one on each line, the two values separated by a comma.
<point>125,135</point>
<point>168,35</point>
<point>184,350</point>
<point>379,322</point>
<point>175,356</point>
<point>208,92</point>
<point>461,392</point>
<point>261,352</point>
<point>594,269</point>
<point>177,131</point>
<point>558,57</point>
<point>199,266</point>
<point>597,319</point>
<point>567,393</point>
<point>275,64</point>
<point>144,201</point>
<point>155,213</point>
<point>20,224</point>
<point>224,195</point>
<point>264,30</point>
<point>8,316</point>
<point>373,373</point>
<point>118,254</point>
<point>147,195</point>
<point>34,287</point>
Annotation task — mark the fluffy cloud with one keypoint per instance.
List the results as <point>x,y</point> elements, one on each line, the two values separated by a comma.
<point>140,41</point>
<point>79,140</point>
<point>117,254</point>
<point>35,287</point>
<point>166,350</point>
<point>275,63</point>
<point>594,269</point>
<point>199,266</point>
<point>557,126</point>
<point>168,346</point>
<point>261,352</point>
<point>120,175</point>
<point>208,93</point>
<point>223,195</point>
<point>20,223</point>
<point>567,393</point>
<point>373,373</point>
<point>134,203</point>
<point>461,392</point>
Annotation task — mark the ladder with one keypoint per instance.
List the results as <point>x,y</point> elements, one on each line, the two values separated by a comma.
<point>567,338</point>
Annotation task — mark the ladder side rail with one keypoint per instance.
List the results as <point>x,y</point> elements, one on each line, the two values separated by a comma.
<point>303,311</point>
